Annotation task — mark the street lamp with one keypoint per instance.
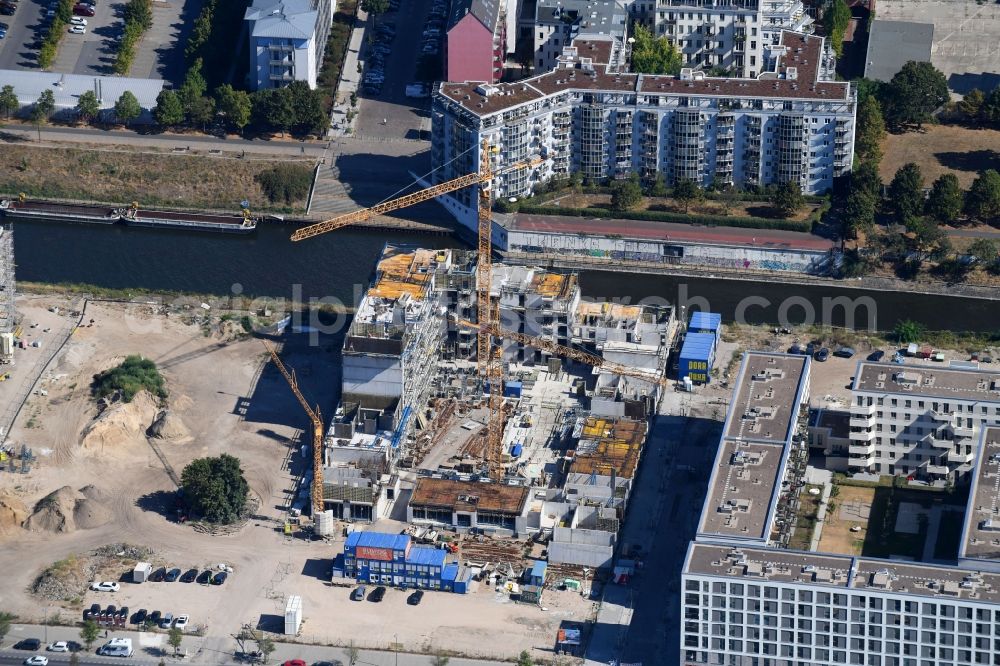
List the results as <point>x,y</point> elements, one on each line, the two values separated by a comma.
<point>395,647</point>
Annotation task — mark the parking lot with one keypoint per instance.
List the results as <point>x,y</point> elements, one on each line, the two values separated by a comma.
<point>391,56</point>
<point>94,52</point>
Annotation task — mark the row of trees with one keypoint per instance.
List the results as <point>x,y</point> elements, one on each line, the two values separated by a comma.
<point>138,19</point>
<point>836,17</point>
<point>627,194</point>
<point>54,34</point>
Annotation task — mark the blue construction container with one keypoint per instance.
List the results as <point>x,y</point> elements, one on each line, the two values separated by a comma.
<point>706,322</point>
<point>697,357</point>
<point>512,389</point>
<point>516,450</point>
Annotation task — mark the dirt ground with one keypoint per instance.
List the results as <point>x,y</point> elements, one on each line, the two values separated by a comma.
<point>706,207</point>
<point>228,404</point>
<point>852,505</point>
<point>123,176</point>
<point>940,149</point>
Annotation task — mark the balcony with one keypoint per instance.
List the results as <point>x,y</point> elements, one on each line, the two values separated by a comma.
<point>962,432</point>
<point>958,458</point>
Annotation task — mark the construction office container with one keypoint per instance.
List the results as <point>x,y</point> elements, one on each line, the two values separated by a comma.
<point>697,357</point>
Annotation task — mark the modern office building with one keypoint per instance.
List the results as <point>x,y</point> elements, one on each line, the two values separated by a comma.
<point>721,34</point>
<point>287,40</point>
<point>791,124</point>
<point>920,421</point>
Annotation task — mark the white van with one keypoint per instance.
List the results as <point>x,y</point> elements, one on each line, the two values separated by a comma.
<point>117,647</point>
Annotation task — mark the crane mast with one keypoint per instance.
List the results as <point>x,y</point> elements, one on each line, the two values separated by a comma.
<point>316,419</point>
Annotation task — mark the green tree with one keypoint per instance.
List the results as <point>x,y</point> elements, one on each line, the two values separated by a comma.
<point>265,645</point>
<point>906,191</point>
<point>945,200</point>
<point>375,8</point>
<point>44,107</point>
<point>89,633</point>
<point>440,660</point>
<point>307,106</point>
<point>990,111</point>
<point>984,250</point>
<point>913,93</point>
<point>871,130</point>
<point>626,194</point>
<point>972,104</point>
<point>139,12</point>
<point>272,109</point>
<point>6,619</point>
<point>87,106</point>
<point>654,55</point>
<point>983,200</point>
<point>907,331</point>
<point>234,105</point>
<point>524,659</point>
<point>169,111</point>
<point>194,86</point>
<point>835,21</point>
<point>787,198</point>
<point>8,101</point>
<point>859,213</point>
<point>174,639</point>
<point>127,108</point>
<point>215,488</point>
<point>867,179</point>
<point>658,188</point>
<point>686,192</point>
<point>201,111</point>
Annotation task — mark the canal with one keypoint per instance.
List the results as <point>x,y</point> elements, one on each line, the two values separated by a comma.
<point>337,266</point>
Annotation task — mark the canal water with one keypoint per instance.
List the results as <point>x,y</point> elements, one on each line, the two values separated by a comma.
<point>336,267</point>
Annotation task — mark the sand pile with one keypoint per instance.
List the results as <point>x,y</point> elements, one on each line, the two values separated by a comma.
<point>67,510</point>
<point>169,426</point>
<point>13,512</point>
<point>120,424</point>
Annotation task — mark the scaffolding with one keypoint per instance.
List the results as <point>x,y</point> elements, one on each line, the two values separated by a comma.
<point>7,322</point>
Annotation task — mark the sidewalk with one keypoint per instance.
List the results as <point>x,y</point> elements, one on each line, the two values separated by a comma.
<point>150,647</point>
<point>350,79</point>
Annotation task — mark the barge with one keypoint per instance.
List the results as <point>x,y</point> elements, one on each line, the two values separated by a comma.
<point>132,216</point>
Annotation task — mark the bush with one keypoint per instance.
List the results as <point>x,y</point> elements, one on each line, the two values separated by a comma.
<point>662,216</point>
<point>133,375</point>
<point>286,182</point>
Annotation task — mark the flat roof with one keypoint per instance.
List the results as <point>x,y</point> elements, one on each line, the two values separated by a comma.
<point>426,555</point>
<point>743,484</point>
<point>771,564</point>
<point>796,77</point>
<point>670,231</point>
<point>981,539</point>
<point>764,404</point>
<point>707,320</point>
<point>838,421</point>
<point>698,346</point>
<point>928,381</point>
<point>391,540</point>
<point>892,44</point>
<point>469,495</point>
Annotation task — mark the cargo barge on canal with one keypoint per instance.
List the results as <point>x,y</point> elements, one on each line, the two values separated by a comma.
<point>132,216</point>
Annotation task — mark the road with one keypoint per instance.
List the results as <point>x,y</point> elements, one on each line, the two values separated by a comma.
<point>91,135</point>
<point>151,648</point>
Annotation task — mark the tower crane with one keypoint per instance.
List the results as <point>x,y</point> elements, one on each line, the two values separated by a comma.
<point>316,418</point>
<point>488,361</point>
<point>557,349</point>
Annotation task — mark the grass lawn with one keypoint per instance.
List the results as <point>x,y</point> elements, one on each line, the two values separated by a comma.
<point>706,207</point>
<point>187,181</point>
<point>940,149</point>
<point>805,520</point>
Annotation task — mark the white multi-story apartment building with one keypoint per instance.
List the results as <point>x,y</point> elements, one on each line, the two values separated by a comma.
<point>921,421</point>
<point>287,40</point>
<point>734,35</point>
<point>749,600</point>
<point>557,23</point>
<point>791,124</point>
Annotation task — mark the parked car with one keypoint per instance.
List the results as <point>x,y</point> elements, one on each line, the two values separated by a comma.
<point>189,576</point>
<point>105,586</point>
<point>294,662</point>
<point>92,612</point>
<point>83,11</point>
<point>844,352</point>
<point>140,616</point>
<point>58,646</point>
<point>121,617</point>
<point>108,615</point>
<point>822,355</point>
<point>172,575</point>
<point>158,575</point>
<point>876,356</point>
<point>3,30</point>
<point>154,617</point>
<point>78,20</point>
<point>359,593</point>
<point>36,660</point>
<point>415,598</point>
<point>181,622</point>
<point>377,594</point>
<point>77,30</point>
<point>168,619</point>
<point>205,577</point>
<point>28,644</point>
<point>220,578</point>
